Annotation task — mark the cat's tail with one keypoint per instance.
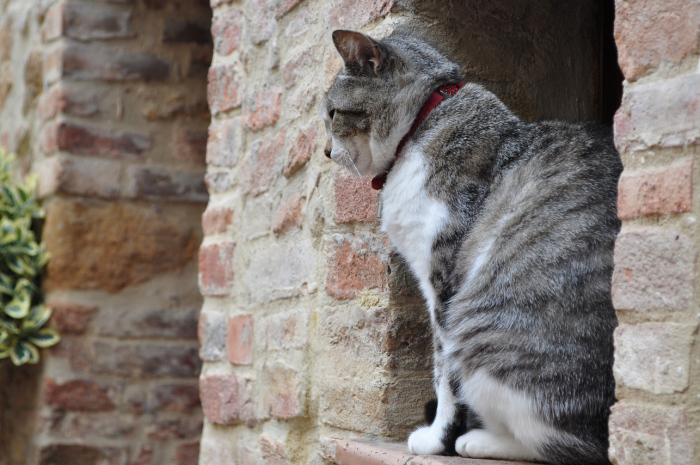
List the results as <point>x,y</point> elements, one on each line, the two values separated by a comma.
<point>568,450</point>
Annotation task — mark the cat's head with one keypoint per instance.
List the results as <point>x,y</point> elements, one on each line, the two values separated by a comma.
<point>374,99</point>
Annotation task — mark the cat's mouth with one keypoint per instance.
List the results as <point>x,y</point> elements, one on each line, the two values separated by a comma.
<point>345,159</point>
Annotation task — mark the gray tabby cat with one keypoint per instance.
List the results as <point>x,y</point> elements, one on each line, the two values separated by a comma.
<point>509,229</point>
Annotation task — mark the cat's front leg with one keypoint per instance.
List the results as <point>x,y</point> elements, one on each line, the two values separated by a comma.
<point>439,437</point>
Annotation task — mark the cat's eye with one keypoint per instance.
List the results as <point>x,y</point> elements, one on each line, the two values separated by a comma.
<point>331,113</point>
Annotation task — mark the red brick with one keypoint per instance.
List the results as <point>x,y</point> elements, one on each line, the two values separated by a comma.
<point>240,339</point>
<point>226,30</point>
<point>80,176</point>
<point>78,394</point>
<point>258,169</point>
<point>280,392</point>
<point>223,89</point>
<point>226,400</point>
<point>69,317</point>
<point>656,191</point>
<point>304,147</point>
<point>55,454</point>
<point>191,145</point>
<point>216,220</point>
<point>288,215</point>
<point>216,269</point>
<point>355,264</point>
<point>176,397</point>
<point>660,114</point>
<point>187,454</point>
<point>654,268</point>
<point>83,62</point>
<point>95,22</point>
<point>356,13</point>
<point>651,32</point>
<point>151,182</point>
<point>89,140</point>
<point>264,110</point>
<point>300,63</point>
<point>273,453</point>
<point>212,336</point>
<point>146,359</point>
<point>641,434</point>
<point>355,200</point>
<point>175,428</point>
<point>225,140</point>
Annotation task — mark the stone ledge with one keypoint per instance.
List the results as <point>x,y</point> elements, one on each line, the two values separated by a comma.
<point>377,453</point>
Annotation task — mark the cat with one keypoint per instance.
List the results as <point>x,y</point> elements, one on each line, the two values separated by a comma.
<point>509,228</point>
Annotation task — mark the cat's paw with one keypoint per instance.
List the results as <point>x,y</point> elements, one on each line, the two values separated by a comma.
<point>423,441</point>
<point>481,444</point>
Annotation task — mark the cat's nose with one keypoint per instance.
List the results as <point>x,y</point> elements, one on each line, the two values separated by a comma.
<point>327,152</point>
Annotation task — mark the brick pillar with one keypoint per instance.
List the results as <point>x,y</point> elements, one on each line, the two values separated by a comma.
<point>120,132</point>
<point>657,131</point>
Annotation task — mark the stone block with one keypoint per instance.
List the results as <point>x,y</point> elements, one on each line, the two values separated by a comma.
<point>653,434</point>
<point>216,269</point>
<point>212,336</point>
<point>55,454</point>
<point>52,28</point>
<point>85,63</point>
<point>240,339</point>
<point>94,246</point>
<point>80,176</point>
<point>289,215</point>
<point>654,269</point>
<point>216,220</point>
<point>649,33</point>
<point>357,13</point>
<point>146,360</point>
<point>191,145</point>
<point>78,394</point>
<point>300,154</point>
<point>225,142</point>
<point>355,200</point>
<point>656,191</point>
<point>223,89</point>
<point>285,331</point>
<point>258,166</point>
<point>90,140</point>
<point>59,100</point>
<point>263,109</point>
<point>227,400</point>
<point>70,318</point>
<point>356,263</point>
<point>154,183</point>
<point>281,391</point>
<point>654,357</point>
<point>174,428</point>
<point>226,30</point>
<point>95,22</point>
<point>273,452</point>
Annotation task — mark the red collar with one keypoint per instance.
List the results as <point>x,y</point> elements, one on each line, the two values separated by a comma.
<point>444,91</point>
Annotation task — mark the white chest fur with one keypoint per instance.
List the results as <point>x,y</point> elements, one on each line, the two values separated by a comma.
<point>412,218</point>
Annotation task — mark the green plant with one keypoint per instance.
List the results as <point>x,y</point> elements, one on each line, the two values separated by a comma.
<point>22,314</point>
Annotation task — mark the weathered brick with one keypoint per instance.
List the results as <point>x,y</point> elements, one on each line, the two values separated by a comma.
<point>288,215</point>
<point>146,359</point>
<point>68,317</point>
<point>94,246</point>
<point>299,64</point>
<point>150,182</point>
<point>82,62</point>
<point>225,141</point>
<point>284,331</point>
<point>280,391</point>
<point>226,30</point>
<point>56,454</point>
<point>212,336</point>
<point>141,321</point>
<point>90,140</point>
<point>654,357</point>
<point>193,105</point>
<point>662,113</point>
<point>654,268</point>
<point>53,65</point>
<point>357,13</point>
<point>219,181</point>
<point>216,269</point>
<point>240,339</point>
<point>95,22</point>
<point>300,154</point>
<point>187,31</point>
<point>174,428</point>
<point>216,220</point>
<point>191,145</point>
<point>59,100</point>
<point>78,394</point>
<point>223,89</point>
<point>355,264</point>
<point>273,452</point>
<point>656,191</point>
<point>641,434</point>
<point>651,32</point>
<point>187,454</point>
<point>261,17</point>
<point>79,176</point>
<point>76,351</point>
<point>264,109</point>
<point>283,7</point>
<point>52,28</point>
<point>258,166</point>
<point>355,200</point>
<point>227,400</point>
<point>79,424</point>
<point>143,456</point>
<point>176,397</point>
<point>216,452</point>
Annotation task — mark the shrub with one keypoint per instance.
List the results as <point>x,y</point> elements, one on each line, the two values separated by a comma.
<point>22,314</point>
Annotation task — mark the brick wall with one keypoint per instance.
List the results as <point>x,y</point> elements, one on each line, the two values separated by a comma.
<point>116,130</point>
<point>657,130</point>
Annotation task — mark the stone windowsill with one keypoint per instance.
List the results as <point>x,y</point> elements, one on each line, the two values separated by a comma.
<point>359,452</point>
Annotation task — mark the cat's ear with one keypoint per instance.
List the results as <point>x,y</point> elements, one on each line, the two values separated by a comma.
<point>358,51</point>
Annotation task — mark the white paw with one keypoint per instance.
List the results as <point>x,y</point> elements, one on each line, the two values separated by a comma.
<point>481,444</point>
<point>425,442</point>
